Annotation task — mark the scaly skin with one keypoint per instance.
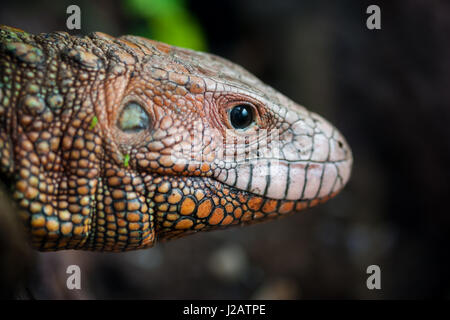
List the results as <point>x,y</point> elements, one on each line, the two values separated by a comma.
<point>82,181</point>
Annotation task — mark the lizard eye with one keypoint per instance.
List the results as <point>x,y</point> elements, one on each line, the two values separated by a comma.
<point>133,118</point>
<point>241,116</point>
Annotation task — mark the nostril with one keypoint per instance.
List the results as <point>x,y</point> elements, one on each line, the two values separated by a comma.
<point>340,144</point>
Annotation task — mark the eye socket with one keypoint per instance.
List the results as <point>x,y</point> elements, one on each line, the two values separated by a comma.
<point>133,118</point>
<point>241,116</point>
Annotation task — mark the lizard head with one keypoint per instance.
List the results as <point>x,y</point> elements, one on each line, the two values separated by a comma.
<point>152,141</point>
<point>222,147</point>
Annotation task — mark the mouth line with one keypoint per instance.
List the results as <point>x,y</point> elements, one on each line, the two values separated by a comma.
<point>216,184</point>
<point>279,202</point>
<point>289,181</point>
<point>248,192</point>
<point>287,161</point>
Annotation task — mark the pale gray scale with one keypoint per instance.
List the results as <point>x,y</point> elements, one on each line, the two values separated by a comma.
<point>290,152</point>
<point>344,170</point>
<point>313,177</point>
<point>282,112</point>
<point>322,178</point>
<point>249,183</point>
<point>213,166</point>
<point>220,163</point>
<point>279,180</point>
<point>338,151</point>
<point>336,179</point>
<point>288,179</point>
<point>260,175</point>
<point>304,144</point>
<point>275,153</point>
<point>243,177</point>
<point>291,117</point>
<point>231,177</point>
<point>309,122</point>
<point>340,178</point>
<point>297,179</point>
<point>275,108</point>
<point>330,175</point>
<point>325,127</point>
<point>329,145</point>
<point>301,128</point>
<point>321,148</point>
<point>338,185</point>
<point>227,172</point>
<point>287,136</point>
<point>219,174</point>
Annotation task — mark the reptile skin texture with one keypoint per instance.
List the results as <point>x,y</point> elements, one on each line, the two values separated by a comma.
<point>113,144</point>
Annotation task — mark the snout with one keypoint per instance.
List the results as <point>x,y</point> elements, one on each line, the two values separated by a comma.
<point>313,161</point>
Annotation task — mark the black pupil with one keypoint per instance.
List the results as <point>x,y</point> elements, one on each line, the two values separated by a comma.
<point>241,116</point>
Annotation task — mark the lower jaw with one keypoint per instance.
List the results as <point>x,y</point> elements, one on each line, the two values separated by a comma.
<point>227,207</point>
<point>215,206</point>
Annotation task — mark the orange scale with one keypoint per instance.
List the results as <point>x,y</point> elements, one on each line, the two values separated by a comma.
<point>227,220</point>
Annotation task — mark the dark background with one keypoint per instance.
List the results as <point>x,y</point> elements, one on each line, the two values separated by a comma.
<point>388,91</point>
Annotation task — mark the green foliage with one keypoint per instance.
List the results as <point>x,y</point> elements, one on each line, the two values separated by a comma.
<point>168,21</point>
<point>126,161</point>
<point>94,122</point>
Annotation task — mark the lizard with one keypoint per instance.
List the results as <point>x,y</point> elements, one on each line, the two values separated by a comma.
<point>113,144</point>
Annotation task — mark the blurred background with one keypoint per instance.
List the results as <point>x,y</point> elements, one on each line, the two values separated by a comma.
<point>386,90</point>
